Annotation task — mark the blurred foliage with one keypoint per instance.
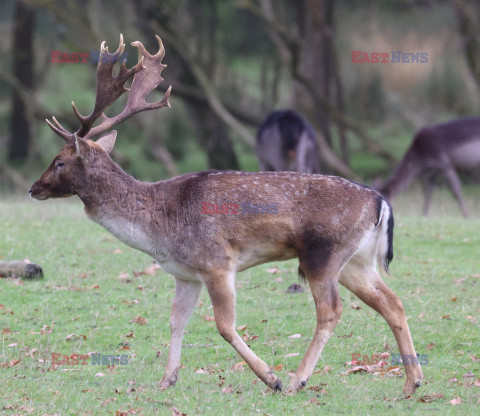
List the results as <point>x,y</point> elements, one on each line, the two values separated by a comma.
<point>391,100</point>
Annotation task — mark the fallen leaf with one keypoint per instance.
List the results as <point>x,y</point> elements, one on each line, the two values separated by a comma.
<point>176,412</point>
<point>87,390</point>
<point>477,383</point>
<point>99,375</point>
<point>130,335</point>
<point>456,401</point>
<point>430,346</point>
<point>355,306</point>
<point>208,318</point>
<point>239,366</point>
<point>241,328</point>
<point>425,399</point>
<point>117,251</point>
<point>278,367</point>
<point>138,320</point>
<point>292,354</point>
<point>272,270</point>
<point>227,390</point>
<point>11,363</point>
<point>469,375</point>
<point>295,336</point>
<point>95,286</point>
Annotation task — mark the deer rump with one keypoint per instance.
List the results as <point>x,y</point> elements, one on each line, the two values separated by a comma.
<point>286,142</point>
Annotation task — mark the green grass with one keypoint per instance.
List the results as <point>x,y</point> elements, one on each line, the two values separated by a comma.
<point>436,261</point>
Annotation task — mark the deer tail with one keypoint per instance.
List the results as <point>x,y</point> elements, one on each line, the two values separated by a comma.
<point>385,242</point>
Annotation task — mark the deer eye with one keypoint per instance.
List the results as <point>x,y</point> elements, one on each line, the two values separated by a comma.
<point>60,164</point>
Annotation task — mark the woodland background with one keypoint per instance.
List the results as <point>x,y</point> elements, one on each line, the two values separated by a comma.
<point>230,64</point>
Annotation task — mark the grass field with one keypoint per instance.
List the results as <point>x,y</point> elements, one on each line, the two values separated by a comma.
<point>94,287</point>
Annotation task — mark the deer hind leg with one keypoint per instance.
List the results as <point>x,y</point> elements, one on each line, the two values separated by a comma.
<point>222,293</point>
<point>456,188</point>
<point>323,283</point>
<point>429,185</point>
<point>186,297</point>
<point>361,277</point>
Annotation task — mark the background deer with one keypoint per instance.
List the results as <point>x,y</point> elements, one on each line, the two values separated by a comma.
<point>438,149</point>
<point>286,141</point>
<point>339,230</point>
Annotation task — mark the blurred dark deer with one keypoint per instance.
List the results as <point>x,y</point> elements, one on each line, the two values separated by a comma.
<point>286,142</point>
<point>441,148</point>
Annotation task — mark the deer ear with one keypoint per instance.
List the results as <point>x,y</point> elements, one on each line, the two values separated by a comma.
<point>108,141</point>
<point>84,150</point>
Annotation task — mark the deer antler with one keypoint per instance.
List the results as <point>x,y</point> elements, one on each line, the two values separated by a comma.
<point>146,77</point>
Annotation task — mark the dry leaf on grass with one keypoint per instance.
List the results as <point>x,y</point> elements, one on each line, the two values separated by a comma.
<point>227,390</point>
<point>138,320</point>
<point>208,318</point>
<point>11,363</point>
<point>456,401</point>
<point>238,366</point>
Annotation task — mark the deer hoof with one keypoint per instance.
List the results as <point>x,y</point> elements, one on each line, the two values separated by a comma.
<point>168,381</point>
<point>277,386</point>
<point>410,387</point>
<point>295,386</point>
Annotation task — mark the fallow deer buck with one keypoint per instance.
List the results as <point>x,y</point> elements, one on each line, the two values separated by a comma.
<point>339,230</point>
<point>441,148</point>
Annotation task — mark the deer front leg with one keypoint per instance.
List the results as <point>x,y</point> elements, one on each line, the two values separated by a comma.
<point>222,293</point>
<point>186,297</point>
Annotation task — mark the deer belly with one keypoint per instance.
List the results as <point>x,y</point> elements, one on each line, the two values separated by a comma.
<point>467,156</point>
<point>261,253</point>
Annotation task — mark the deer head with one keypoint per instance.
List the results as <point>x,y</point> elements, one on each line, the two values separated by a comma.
<point>82,159</point>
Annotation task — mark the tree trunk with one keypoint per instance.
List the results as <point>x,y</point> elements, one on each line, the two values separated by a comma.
<point>213,138</point>
<point>23,66</point>
<point>315,60</point>
<point>468,12</point>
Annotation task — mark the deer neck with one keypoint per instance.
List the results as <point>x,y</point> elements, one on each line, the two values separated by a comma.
<point>402,177</point>
<point>114,199</point>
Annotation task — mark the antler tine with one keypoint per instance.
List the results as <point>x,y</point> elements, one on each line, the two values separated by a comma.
<point>109,88</point>
<point>147,76</point>
<point>60,130</point>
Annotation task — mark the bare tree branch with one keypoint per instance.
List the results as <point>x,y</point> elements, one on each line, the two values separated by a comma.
<point>293,44</point>
<point>181,46</point>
